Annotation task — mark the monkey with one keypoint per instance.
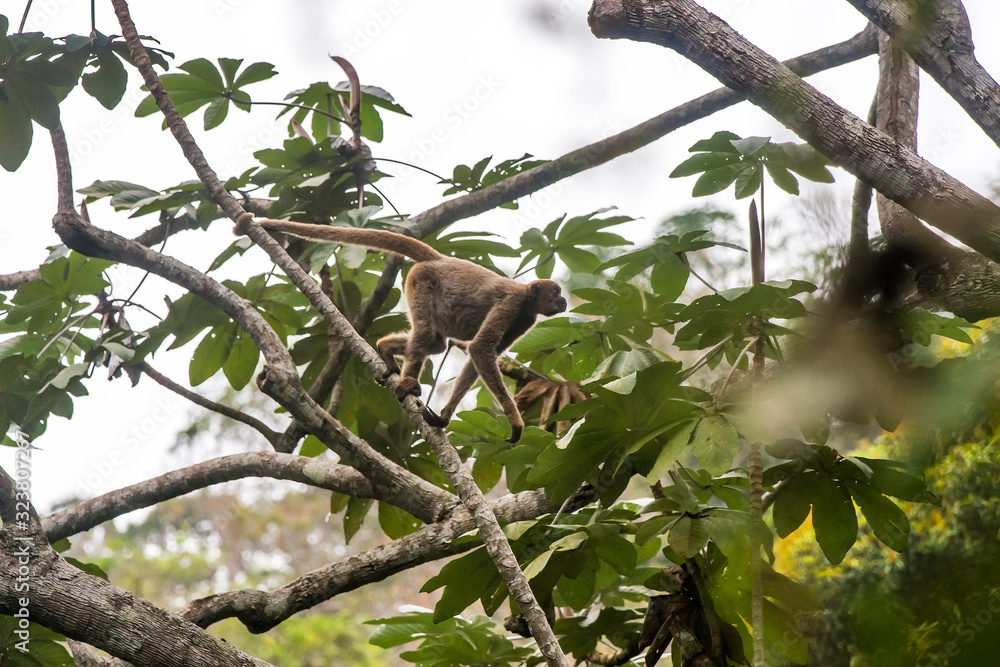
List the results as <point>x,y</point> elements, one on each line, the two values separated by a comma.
<point>449,298</point>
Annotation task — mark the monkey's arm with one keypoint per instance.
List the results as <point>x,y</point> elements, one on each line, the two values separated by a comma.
<point>484,351</point>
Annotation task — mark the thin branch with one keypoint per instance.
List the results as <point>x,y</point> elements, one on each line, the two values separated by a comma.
<point>269,434</point>
<point>313,472</point>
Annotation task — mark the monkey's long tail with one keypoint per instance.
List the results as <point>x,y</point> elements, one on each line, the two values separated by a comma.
<point>375,239</point>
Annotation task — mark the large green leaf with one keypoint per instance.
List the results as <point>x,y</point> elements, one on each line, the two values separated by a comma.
<point>715,443</point>
<point>834,518</point>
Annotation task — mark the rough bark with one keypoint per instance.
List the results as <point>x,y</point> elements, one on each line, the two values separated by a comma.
<point>895,171</point>
<point>89,609</point>
<point>948,278</point>
<point>937,35</point>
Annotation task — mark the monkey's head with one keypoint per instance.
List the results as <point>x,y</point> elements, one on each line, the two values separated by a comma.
<point>547,297</point>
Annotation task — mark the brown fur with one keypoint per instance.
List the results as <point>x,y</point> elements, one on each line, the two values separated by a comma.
<point>449,298</point>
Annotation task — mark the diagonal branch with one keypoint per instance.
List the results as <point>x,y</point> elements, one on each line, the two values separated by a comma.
<point>937,35</point>
<point>861,45</point>
<point>269,434</point>
<point>895,171</point>
<point>262,610</point>
<point>313,472</point>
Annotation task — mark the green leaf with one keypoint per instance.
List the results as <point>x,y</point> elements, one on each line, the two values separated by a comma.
<point>721,142</point>
<point>749,180</point>
<point>671,452</point>
<point>15,133</point>
<point>669,277</point>
<point>715,443</point>
<point>834,518</point>
<point>205,70</point>
<point>887,520</point>
<point>792,503</point>
<point>715,180</point>
<point>211,353</point>
<point>703,162</point>
<point>253,73</point>
<point>396,523</point>
<point>241,363</point>
<point>107,85</point>
<point>216,112</point>
<point>783,178</point>
<point>750,145</point>
<point>687,536</point>
<point>465,580</point>
<point>354,517</point>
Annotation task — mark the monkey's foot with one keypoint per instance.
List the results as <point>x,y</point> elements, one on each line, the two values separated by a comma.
<point>434,419</point>
<point>515,433</point>
<point>407,386</point>
<point>390,363</point>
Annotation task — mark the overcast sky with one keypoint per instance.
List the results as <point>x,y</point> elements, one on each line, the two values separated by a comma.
<point>480,78</point>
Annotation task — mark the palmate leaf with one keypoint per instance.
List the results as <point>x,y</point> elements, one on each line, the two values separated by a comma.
<point>726,159</point>
<point>204,84</point>
<point>563,238</point>
<point>618,423</point>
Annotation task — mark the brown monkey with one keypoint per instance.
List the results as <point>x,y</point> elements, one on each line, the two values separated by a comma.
<point>449,298</point>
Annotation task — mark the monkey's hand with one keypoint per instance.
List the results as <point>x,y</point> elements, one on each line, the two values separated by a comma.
<point>434,419</point>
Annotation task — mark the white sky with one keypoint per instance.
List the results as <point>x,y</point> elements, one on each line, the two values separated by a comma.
<point>479,78</point>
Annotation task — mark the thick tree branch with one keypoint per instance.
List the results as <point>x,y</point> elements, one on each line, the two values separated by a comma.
<point>937,35</point>
<point>948,277</point>
<point>269,434</point>
<point>861,45</point>
<point>87,608</point>
<point>895,171</point>
<point>313,472</point>
<point>262,610</point>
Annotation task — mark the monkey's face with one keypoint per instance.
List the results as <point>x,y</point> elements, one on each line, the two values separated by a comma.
<point>548,297</point>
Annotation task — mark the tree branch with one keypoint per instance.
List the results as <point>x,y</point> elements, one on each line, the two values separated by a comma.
<point>87,608</point>
<point>861,45</point>
<point>937,35</point>
<point>895,171</point>
<point>312,472</point>
<point>262,610</point>
<point>269,434</point>
<point>12,281</point>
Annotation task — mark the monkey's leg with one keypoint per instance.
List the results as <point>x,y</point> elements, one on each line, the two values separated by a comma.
<point>463,383</point>
<point>389,348</point>
<point>422,342</point>
<point>484,352</point>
